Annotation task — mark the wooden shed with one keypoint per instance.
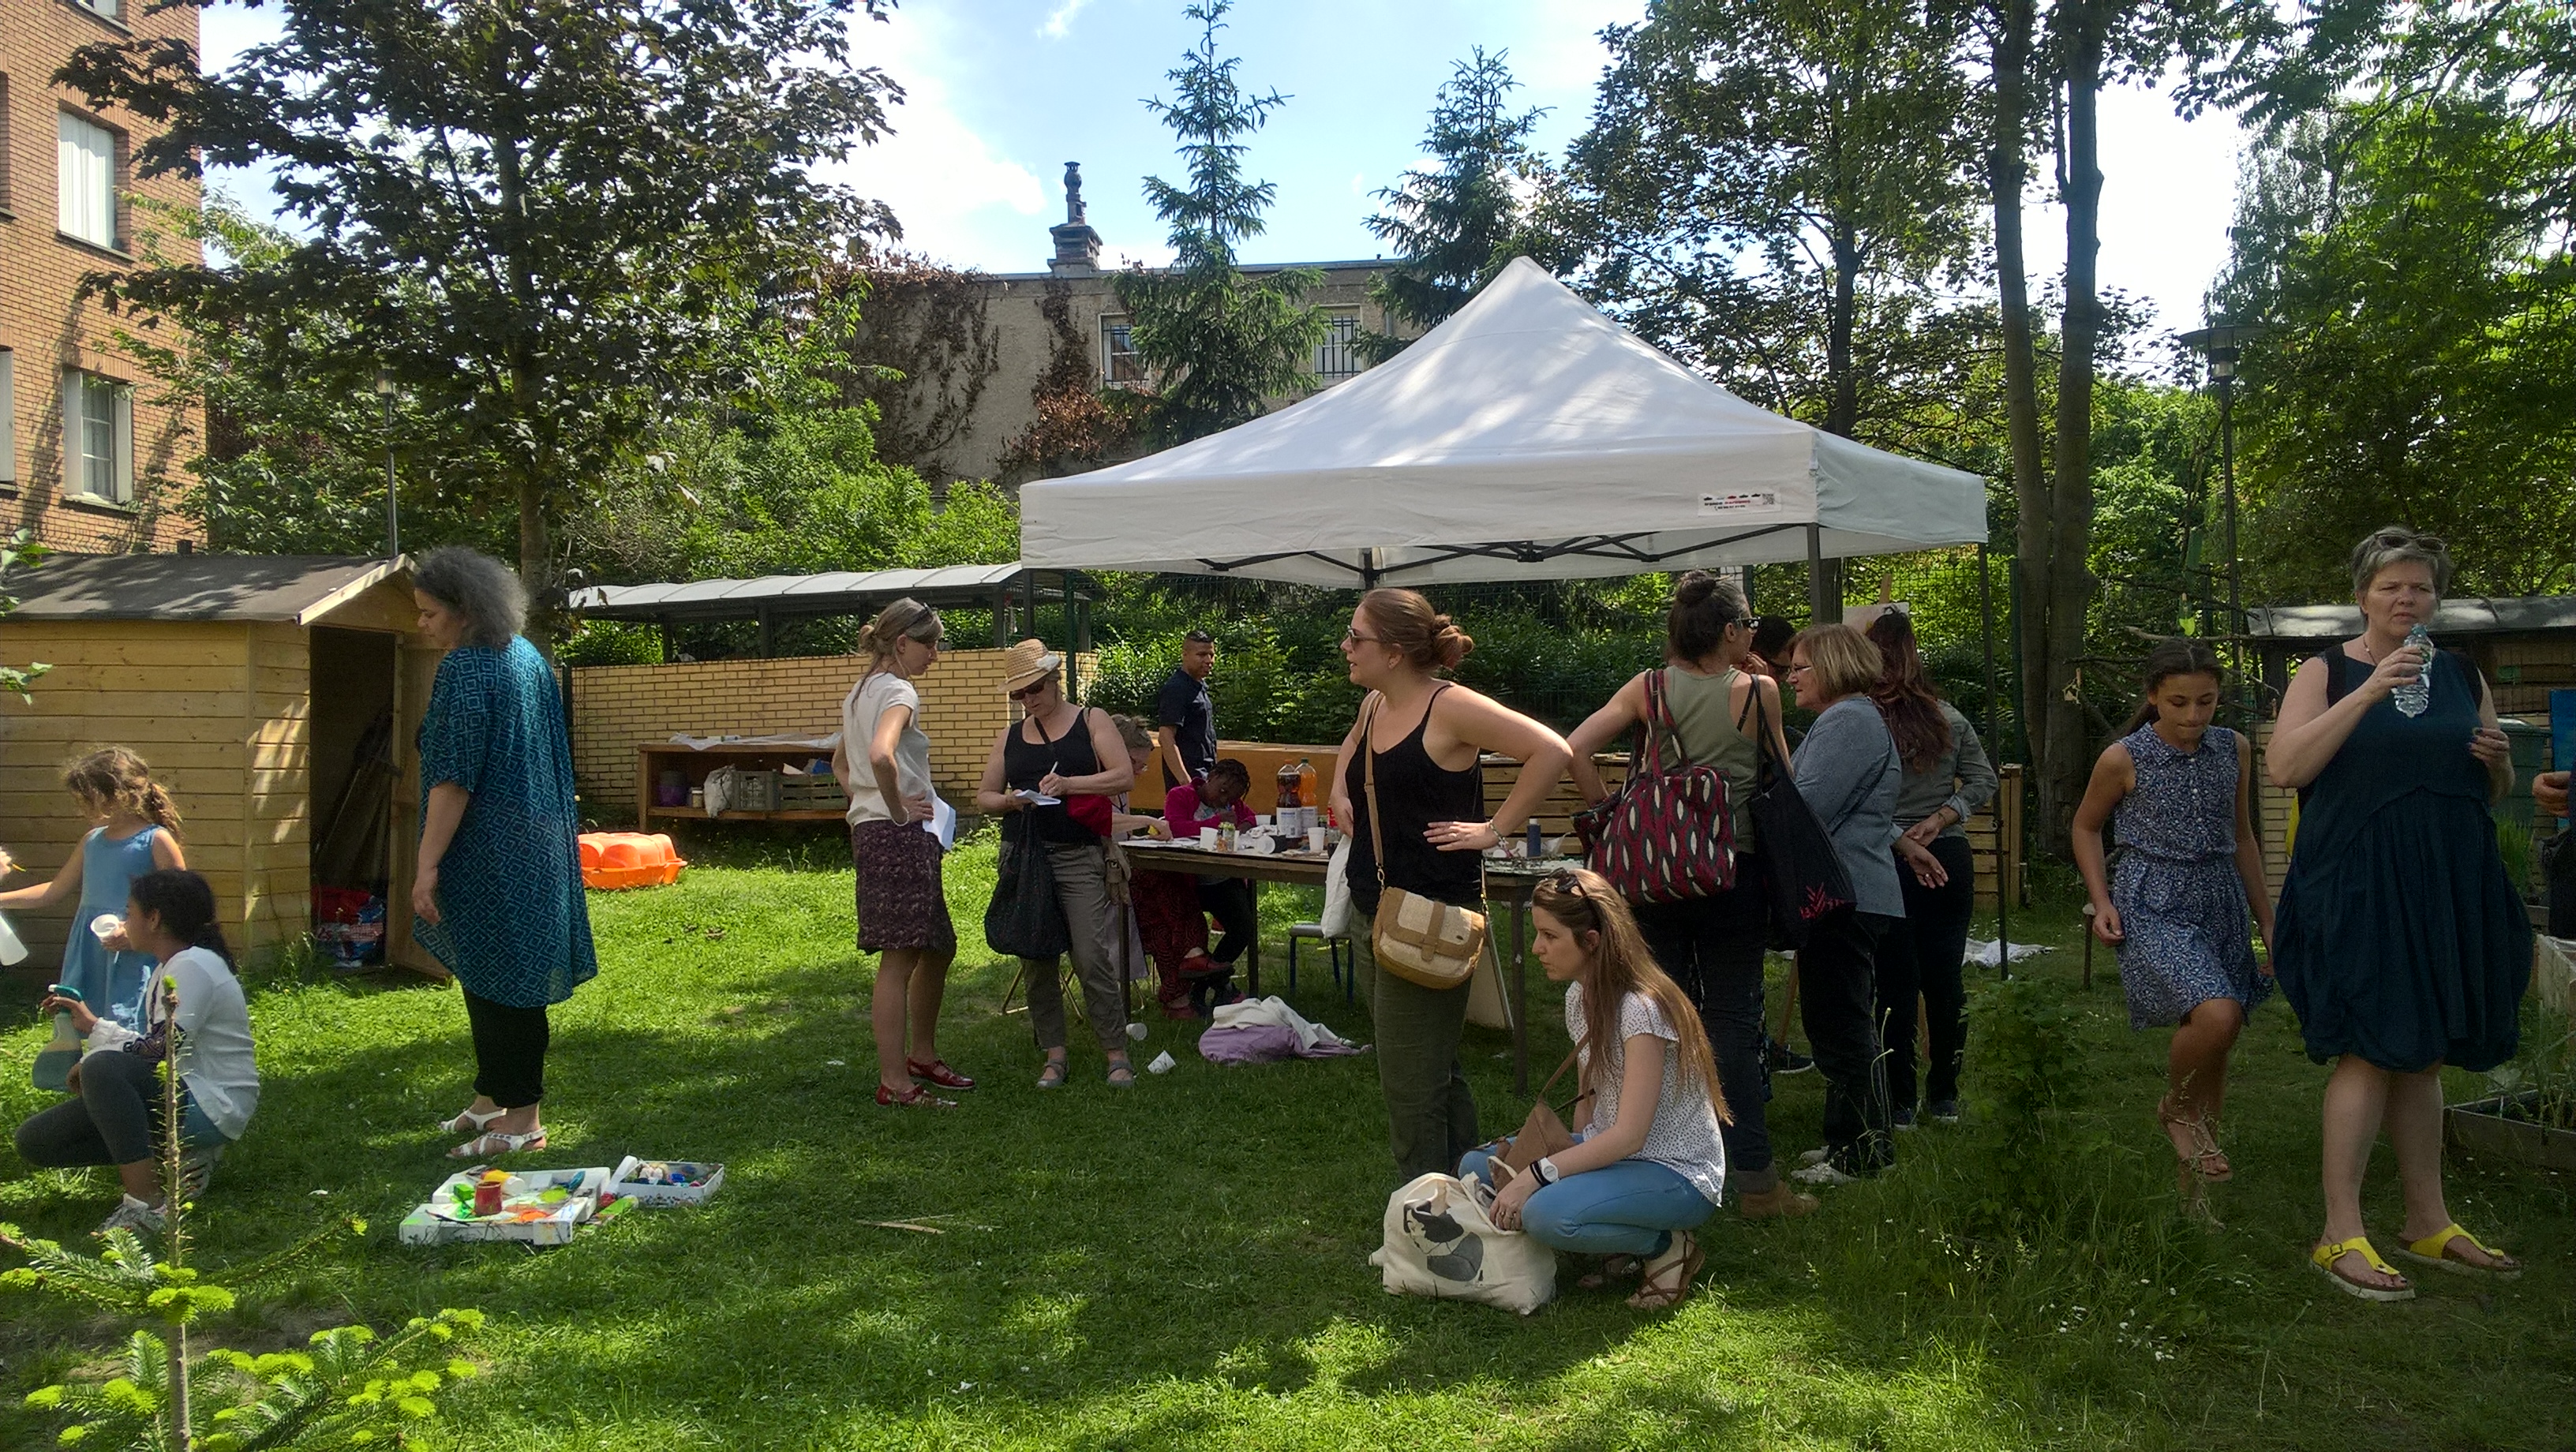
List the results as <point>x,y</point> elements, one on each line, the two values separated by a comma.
<point>275,696</point>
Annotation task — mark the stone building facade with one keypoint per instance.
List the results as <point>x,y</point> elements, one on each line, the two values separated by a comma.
<point>93,456</point>
<point>1025,340</point>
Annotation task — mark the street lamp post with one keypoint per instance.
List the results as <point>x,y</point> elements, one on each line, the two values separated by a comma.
<point>2221,342</point>
<point>393,521</point>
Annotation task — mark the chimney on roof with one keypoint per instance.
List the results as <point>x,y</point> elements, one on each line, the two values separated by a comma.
<point>1077,247</point>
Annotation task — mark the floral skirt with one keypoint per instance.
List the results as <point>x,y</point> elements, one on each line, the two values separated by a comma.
<point>902,902</point>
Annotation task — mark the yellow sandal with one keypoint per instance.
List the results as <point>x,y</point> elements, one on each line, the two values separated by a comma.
<point>2434,1250</point>
<point>2325,1256</point>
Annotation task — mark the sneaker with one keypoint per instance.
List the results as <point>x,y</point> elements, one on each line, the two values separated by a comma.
<point>197,1169</point>
<point>1779,1200</point>
<point>1901,1120</point>
<point>1783,1059</point>
<point>1943,1111</point>
<point>132,1214</point>
<point>1823,1172</point>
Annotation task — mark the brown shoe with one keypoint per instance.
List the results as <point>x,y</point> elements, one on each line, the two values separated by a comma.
<point>1780,1199</point>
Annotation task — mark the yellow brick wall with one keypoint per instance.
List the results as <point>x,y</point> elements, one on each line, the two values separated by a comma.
<point>618,708</point>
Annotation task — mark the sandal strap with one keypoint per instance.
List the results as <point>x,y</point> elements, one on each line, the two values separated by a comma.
<point>2436,1246</point>
<point>2325,1256</point>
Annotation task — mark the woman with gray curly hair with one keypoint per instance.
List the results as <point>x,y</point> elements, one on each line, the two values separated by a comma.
<point>2400,942</point>
<point>498,886</point>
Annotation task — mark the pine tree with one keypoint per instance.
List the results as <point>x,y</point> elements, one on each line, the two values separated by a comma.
<point>1217,344</point>
<point>1455,225</point>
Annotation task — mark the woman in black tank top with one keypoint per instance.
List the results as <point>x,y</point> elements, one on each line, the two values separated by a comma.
<point>1427,737</point>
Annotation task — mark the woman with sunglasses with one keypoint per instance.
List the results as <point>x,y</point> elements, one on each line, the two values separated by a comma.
<point>1647,1166</point>
<point>1053,773</point>
<point>1426,736</point>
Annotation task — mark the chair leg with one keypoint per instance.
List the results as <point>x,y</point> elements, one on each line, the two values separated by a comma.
<point>1292,965</point>
<point>1350,981</point>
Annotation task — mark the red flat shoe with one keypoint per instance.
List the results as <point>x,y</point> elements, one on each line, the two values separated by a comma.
<point>938,1072</point>
<point>917,1098</point>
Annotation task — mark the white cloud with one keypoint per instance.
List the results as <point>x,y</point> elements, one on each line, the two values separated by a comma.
<point>942,179</point>
<point>1060,21</point>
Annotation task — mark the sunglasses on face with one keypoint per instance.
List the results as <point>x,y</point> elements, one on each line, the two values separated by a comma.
<point>1029,692</point>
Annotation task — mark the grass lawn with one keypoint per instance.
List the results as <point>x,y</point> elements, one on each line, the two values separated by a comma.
<point>1182,1266</point>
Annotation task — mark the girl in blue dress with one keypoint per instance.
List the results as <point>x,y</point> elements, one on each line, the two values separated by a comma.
<point>2175,903</point>
<point>137,832</point>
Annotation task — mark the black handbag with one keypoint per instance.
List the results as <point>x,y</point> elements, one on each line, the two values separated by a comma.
<point>1804,874</point>
<point>1024,920</point>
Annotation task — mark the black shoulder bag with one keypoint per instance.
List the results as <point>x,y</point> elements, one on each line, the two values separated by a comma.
<point>1805,874</point>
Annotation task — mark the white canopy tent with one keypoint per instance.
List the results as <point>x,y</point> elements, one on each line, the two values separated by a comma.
<point>1526,438</point>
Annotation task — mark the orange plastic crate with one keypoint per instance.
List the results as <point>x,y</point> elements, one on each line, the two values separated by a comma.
<point>612,860</point>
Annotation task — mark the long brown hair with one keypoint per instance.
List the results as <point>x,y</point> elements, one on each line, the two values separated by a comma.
<point>1621,964</point>
<point>1905,695</point>
<point>116,779</point>
<point>905,619</point>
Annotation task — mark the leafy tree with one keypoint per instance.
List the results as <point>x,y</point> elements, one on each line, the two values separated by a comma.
<point>549,218</point>
<point>19,552</point>
<point>2415,247</point>
<point>1217,344</point>
<point>1455,225</point>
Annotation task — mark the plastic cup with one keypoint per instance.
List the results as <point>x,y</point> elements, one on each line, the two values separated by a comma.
<point>1136,1031</point>
<point>1207,838</point>
<point>1314,839</point>
<point>106,926</point>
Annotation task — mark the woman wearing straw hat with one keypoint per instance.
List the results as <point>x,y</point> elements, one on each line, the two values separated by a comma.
<point>1070,753</point>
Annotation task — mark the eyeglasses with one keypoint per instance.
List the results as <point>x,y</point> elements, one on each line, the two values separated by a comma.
<point>1030,691</point>
<point>1353,637</point>
<point>1566,880</point>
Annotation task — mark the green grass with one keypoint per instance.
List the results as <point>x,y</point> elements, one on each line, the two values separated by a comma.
<point>1182,1266</point>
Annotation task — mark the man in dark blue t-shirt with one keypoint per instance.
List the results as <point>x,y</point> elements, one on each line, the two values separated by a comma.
<point>1185,741</point>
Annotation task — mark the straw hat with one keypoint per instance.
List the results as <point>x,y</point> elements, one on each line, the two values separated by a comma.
<point>1027,662</point>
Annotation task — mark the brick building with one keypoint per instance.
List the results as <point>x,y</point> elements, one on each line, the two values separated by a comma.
<point>93,459</point>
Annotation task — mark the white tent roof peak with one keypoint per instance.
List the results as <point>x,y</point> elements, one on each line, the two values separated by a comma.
<point>1527,437</point>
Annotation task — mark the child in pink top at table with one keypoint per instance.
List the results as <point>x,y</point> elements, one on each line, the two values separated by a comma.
<point>1214,800</point>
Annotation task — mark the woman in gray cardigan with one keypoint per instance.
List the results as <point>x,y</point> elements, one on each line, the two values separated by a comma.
<point>1847,769</point>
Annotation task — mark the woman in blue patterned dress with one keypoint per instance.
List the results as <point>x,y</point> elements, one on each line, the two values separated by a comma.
<point>2176,901</point>
<point>498,887</point>
<point>2403,944</point>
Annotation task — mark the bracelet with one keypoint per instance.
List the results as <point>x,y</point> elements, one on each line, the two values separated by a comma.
<point>1546,1170</point>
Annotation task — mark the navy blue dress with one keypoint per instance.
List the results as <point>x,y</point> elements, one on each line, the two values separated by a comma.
<point>515,929</point>
<point>2186,927</point>
<point>2401,939</point>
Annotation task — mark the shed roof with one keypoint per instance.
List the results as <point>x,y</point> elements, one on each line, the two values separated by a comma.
<point>2465,615</point>
<point>837,592</point>
<point>288,588</point>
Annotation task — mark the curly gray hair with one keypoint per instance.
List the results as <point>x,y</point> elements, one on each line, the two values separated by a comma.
<point>2397,545</point>
<point>486,592</point>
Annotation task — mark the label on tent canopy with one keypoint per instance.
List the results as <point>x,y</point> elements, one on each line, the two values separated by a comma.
<point>1739,501</point>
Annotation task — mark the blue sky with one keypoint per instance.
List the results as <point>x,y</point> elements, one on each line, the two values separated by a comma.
<point>1003,92</point>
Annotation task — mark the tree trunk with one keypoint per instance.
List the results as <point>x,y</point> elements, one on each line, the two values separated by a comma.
<point>1842,407</point>
<point>2063,764</point>
<point>2007,170</point>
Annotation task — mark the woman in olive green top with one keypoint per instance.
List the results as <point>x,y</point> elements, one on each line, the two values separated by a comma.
<point>1712,946</point>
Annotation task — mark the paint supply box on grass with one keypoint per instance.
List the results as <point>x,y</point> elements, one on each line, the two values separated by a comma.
<point>664,1182</point>
<point>538,1207</point>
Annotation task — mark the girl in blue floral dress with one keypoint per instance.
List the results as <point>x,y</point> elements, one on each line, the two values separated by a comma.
<point>2174,903</point>
<point>137,833</point>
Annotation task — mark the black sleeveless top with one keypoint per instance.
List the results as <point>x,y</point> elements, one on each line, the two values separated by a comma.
<point>1025,763</point>
<point>1415,792</point>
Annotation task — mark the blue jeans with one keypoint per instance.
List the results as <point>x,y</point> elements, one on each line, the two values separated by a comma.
<point>1629,1208</point>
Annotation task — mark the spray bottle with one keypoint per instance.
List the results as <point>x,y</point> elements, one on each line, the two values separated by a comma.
<point>55,1060</point>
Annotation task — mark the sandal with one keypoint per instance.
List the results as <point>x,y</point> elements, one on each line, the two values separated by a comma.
<point>1118,1067</point>
<point>468,1122</point>
<point>1669,1275</point>
<point>1612,1268</point>
<point>938,1072</point>
<point>2326,1257</point>
<point>1052,1076</point>
<point>915,1097</point>
<point>493,1142</point>
<point>2203,1160</point>
<point>2435,1250</point>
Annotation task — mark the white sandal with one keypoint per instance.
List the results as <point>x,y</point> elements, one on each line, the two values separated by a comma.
<point>468,1122</point>
<point>494,1142</point>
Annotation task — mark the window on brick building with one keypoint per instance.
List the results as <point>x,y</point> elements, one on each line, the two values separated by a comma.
<point>98,437</point>
<point>86,179</point>
<point>5,148</point>
<point>1118,346</point>
<point>104,9</point>
<point>8,419</point>
<point>1338,356</point>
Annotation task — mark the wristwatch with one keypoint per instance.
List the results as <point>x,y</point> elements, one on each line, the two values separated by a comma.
<point>1546,1170</point>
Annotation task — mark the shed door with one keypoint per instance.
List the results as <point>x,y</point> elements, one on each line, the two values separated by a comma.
<point>417,673</point>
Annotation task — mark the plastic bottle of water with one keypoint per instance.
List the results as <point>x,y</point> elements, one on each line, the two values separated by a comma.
<point>2412,699</point>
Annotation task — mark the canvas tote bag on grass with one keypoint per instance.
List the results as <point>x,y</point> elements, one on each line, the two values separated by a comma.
<point>1418,939</point>
<point>1440,1241</point>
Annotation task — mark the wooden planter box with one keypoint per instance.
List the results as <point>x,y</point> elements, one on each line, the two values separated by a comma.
<point>2485,1128</point>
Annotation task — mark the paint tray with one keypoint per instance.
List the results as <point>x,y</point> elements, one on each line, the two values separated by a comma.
<point>533,1213</point>
<point>679,1182</point>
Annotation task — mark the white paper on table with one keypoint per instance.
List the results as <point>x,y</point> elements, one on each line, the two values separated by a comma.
<point>942,823</point>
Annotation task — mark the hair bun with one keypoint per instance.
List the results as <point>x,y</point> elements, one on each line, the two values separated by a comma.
<point>1449,642</point>
<point>1695,587</point>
